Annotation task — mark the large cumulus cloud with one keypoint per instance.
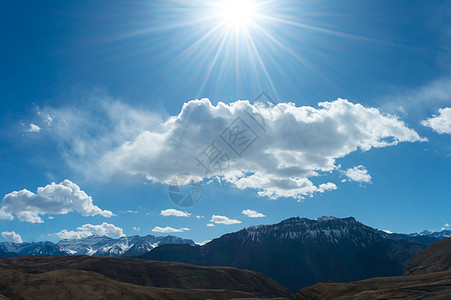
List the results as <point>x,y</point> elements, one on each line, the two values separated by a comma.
<point>290,144</point>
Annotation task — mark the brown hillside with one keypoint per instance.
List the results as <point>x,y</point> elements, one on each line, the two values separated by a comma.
<point>435,258</point>
<point>85,277</point>
<point>427,286</point>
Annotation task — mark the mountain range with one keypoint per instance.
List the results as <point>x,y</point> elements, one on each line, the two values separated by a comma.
<point>299,252</point>
<point>92,245</point>
<point>296,252</point>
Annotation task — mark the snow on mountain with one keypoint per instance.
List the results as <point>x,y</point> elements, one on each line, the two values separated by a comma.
<point>323,228</point>
<point>434,234</point>
<point>28,249</point>
<point>85,246</point>
<point>92,245</point>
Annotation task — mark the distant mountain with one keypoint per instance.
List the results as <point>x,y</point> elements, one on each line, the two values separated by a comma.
<point>35,248</point>
<point>85,277</point>
<point>299,252</point>
<point>425,237</point>
<point>125,246</point>
<point>92,245</point>
<point>435,258</point>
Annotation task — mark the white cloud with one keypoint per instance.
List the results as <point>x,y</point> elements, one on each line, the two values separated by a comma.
<point>387,231</point>
<point>359,174</point>
<point>210,225</point>
<point>446,225</point>
<point>174,212</point>
<point>168,229</point>
<point>252,213</point>
<point>199,217</point>
<point>11,236</point>
<point>325,187</point>
<point>440,123</point>
<point>57,199</point>
<point>203,243</point>
<point>297,143</point>
<point>136,228</point>
<point>88,229</point>
<point>223,220</point>
<point>34,128</point>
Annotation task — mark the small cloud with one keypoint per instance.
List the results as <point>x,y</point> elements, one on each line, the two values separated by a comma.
<point>203,243</point>
<point>210,225</point>
<point>443,228</point>
<point>324,187</point>
<point>128,211</point>
<point>199,217</point>
<point>136,228</point>
<point>51,218</point>
<point>104,229</point>
<point>252,213</point>
<point>33,128</point>
<point>11,236</point>
<point>359,174</point>
<point>440,123</point>
<point>174,213</point>
<point>447,225</point>
<point>387,231</point>
<point>168,229</point>
<point>223,220</point>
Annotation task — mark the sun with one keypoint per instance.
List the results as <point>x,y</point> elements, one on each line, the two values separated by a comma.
<point>237,14</point>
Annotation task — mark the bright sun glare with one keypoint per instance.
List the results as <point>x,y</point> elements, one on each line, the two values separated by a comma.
<point>237,14</point>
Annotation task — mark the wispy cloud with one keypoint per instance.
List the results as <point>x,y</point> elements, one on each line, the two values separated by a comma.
<point>252,213</point>
<point>85,133</point>
<point>432,94</point>
<point>174,212</point>
<point>223,220</point>
<point>168,229</point>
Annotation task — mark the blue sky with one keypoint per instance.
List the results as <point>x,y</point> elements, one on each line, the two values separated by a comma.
<point>98,93</point>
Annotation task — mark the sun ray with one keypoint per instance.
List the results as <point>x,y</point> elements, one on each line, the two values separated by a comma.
<point>213,63</point>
